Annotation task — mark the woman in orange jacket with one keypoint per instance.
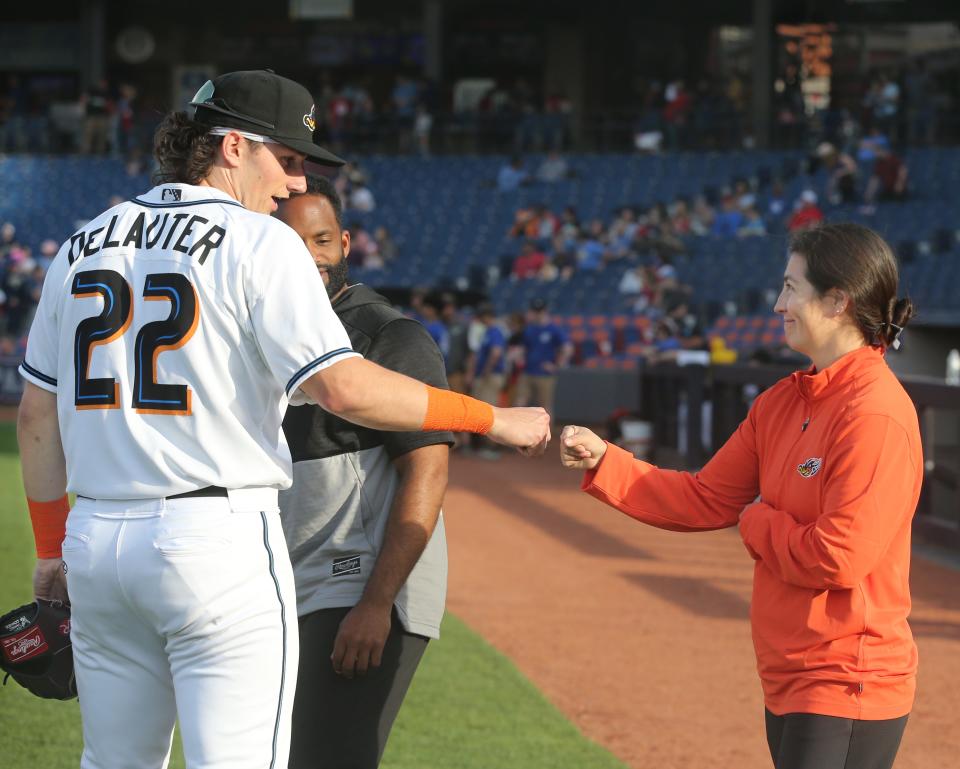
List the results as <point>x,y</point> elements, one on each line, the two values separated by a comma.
<point>823,478</point>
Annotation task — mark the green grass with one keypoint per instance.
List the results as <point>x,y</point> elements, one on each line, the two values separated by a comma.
<point>468,706</point>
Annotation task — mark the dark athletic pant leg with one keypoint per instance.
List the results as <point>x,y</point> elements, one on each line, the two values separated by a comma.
<point>341,723</point>
<point>809,741</point>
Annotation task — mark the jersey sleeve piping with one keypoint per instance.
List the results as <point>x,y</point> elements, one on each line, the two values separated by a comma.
<point>324,360</point>
<point>38,378</point>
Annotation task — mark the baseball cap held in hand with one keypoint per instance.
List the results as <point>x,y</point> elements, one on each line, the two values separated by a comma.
<point>262,102</point>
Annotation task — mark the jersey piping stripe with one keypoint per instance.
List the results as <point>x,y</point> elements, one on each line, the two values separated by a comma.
<point>313,364</point>
<point>283,624</point>
<point>33,372</point>
<point>185,203</point>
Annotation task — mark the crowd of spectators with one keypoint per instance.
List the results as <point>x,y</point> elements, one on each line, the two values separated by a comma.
<point>21,279</point>
<point>99,120</point>
<point>411,114</point>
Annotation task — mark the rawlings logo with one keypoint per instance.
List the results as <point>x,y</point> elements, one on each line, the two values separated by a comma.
<point>309,120</point>
<point>810,468</point>
<point>24,646</point>
<point>64,627</point>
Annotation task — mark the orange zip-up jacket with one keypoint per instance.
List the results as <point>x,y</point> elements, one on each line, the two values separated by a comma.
<point>836,460</point>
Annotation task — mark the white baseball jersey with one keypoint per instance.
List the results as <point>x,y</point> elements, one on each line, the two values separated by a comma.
<point>174,329</point>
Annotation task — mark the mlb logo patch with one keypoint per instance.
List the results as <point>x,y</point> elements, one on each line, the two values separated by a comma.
<point>170,194</point>
<point>810,468</point>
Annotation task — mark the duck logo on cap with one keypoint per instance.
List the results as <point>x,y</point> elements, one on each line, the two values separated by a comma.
<point>309,120</point>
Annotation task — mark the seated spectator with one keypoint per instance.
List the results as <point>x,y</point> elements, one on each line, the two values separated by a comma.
<point>553,168</point>
<point>633,281</point>
<point>547,223</point>
<point>524,224</point>
<point>422,125</point>
<point>386,245</point>
<point>564,257</point>
<point>745,198</point>
<point>666,344</point>
<point>753,225</point>
<point>680,219</point>
<point>647,134</point>
<point>549,272</point>
<point>361,198</point>
<point>534,223</point>
<point>702,217</point>
<point>48,250</point>
<point>529,262</point>
<point>361,243</point>
<point>870,146</point>
<point>808,213</point>
<point>592,247</point>
<point>623,231</point>
<point>777,205</point>
<point>569,223</point>
<point>889,178</point>
<point>686,325</point>
<point>842,169</point>
<point>730,219</point>
<point>512,175</point>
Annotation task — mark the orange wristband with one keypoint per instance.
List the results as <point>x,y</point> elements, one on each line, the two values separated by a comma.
<point>455,412</point>
<point>49,525</point>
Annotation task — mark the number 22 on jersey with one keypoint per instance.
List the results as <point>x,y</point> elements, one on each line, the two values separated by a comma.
<point>149,396</point>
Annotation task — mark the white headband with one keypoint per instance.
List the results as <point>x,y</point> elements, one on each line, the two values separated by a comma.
<point>223,131</point>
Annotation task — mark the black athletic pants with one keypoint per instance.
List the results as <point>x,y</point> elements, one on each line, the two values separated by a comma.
<point>809,741</point>
<point>343,723</point>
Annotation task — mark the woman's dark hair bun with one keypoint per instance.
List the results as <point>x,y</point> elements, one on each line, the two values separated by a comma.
<point>900,314</point>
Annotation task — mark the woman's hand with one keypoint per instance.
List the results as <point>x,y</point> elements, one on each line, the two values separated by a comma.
<point>580,448</point>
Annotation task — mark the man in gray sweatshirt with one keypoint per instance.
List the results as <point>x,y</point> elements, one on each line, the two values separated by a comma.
<point>369,556</point>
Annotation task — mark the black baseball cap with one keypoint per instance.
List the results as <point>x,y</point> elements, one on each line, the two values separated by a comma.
<point>262,102</point>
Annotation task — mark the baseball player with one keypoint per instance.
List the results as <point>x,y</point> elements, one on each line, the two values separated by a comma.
<point>546,349</point>
<point>172,331</point>
<point>369,554</point>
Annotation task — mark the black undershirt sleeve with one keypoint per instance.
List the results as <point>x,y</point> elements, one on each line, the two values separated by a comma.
<point>405,346</point>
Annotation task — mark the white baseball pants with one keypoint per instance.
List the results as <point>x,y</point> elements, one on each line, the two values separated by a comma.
<point>182,609</point>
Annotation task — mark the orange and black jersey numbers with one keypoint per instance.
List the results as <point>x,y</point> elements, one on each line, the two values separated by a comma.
<point>149,396</point>
<point>103,392</point>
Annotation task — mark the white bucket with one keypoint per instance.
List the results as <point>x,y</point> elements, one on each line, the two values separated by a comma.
<point>636,437</point>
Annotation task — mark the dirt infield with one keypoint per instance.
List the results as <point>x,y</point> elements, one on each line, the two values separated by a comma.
<point>642,636</point>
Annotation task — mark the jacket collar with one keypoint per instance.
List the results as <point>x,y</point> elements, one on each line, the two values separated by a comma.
<point>814,384</point>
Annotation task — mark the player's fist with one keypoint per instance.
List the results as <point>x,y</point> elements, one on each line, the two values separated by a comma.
<point>580,448</point>
<point>525,429</point>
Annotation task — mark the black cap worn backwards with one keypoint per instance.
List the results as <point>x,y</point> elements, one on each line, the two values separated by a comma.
<point>262,102</point>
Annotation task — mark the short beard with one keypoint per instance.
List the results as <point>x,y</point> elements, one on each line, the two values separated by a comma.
<point>337,277</point>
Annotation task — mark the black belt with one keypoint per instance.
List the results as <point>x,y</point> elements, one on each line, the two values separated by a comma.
<point>206,491</point>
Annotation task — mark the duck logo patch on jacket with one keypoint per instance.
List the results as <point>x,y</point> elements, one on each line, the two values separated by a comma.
<point>810,468</point>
